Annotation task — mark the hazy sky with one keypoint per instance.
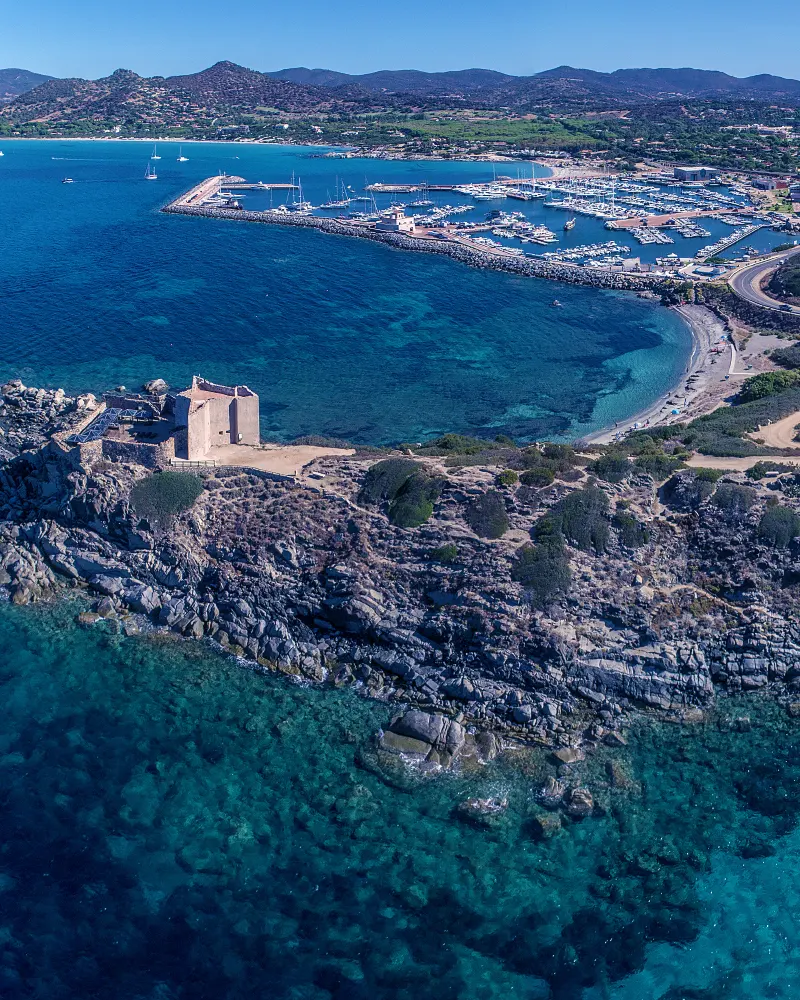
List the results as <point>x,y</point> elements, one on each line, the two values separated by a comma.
<point>91,38</point>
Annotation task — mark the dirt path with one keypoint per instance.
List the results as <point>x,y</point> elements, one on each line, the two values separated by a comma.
<point>736,464</point>
<point>781,434</point>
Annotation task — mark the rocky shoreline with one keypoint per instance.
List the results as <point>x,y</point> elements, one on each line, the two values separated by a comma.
<point>568,274</point>
<point>306,580</point>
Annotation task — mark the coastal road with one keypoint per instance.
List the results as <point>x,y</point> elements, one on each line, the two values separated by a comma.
<point>746,281</point>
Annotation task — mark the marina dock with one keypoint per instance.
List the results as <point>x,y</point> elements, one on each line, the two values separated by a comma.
<point>458,243</point>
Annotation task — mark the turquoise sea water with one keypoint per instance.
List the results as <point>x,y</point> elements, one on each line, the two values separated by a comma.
<point>174,825</point>
<point>338,336</point>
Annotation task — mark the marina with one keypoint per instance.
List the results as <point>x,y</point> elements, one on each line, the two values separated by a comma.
<point>473,216</point>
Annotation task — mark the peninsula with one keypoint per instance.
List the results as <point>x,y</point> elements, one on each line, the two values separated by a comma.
<point>542,594</point>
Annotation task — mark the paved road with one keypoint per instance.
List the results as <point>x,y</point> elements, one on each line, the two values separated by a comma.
<point>746,282</point>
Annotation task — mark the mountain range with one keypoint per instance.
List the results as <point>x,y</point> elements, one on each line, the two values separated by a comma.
<point>642,84</point>
<point>226,88</point>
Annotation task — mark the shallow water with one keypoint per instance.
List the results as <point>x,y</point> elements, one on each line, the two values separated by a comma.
<point>338,336</point>
<point>177,826</point>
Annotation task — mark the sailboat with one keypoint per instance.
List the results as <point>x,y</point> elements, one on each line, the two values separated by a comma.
<point>181,157</point>
<point>150,174</point>
<point>301,206</point>
<point>154,155</point>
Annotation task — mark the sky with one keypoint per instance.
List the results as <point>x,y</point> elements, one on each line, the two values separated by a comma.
<point>91,38</point>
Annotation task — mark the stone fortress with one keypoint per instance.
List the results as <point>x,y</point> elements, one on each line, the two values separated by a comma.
<point>204,424</point>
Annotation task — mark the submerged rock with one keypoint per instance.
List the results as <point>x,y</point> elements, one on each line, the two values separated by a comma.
<point>579,803</point>
<point>483,812</point>
<point>545,825</point>
<point>551,794</point>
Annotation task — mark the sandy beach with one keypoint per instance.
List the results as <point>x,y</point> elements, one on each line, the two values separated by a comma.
<point>706,390</point>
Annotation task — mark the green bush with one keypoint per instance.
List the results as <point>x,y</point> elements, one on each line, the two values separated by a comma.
<point>413,503</point>
<point>612,467</point>
<point>540,476</point>
<point>543,570</point>
<point>559,458</point>
<point>787,357</point>
<point>704,475</point>
<point>767,384</point>
<point>581,517</point>
<point>632,534</point>
<point>760,469</point>
<point>164,495</point>
<point>454,444</point>
<point>384,480</point>
<point>757,471</point>
<point>562,453</point>
<point>658,465</point>
<point>487,515</point>
<point>779,525</point>
<point>447,553</point>
<point>507,478</point>
<point>734,500</point>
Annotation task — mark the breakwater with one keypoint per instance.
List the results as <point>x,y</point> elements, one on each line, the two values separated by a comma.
<point>474,257</point>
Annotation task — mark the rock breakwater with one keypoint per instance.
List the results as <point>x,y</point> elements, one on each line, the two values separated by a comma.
<point>569,274</point>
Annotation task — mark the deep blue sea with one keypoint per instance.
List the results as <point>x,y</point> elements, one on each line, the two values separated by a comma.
<point>175,826</point>
<point>338,336</point>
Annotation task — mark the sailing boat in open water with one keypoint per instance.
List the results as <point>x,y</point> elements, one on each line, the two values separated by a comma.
<point>154,155</point>
<point>181,157</point>
<point>150,174</point>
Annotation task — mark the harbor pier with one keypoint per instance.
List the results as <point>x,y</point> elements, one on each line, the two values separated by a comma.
<point>446,240</point>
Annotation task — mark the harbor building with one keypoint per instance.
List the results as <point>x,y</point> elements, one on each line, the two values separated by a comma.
<point>395,221</point>
<point>695,173</point>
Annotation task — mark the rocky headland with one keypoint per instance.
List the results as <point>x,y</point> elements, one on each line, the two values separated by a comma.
<point>676,594</point>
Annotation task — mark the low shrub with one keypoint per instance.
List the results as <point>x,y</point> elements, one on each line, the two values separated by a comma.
<point>454,444</point>
<point>563,453</point>
<point>164,495</point>
<point>779,525</point>
<point>632,534</point>
<point>760,469</point>
<point>320,441</point>
<point>704,475</point>
<point>447,553</point>
<point>559,458</point>
<point>612,467</point>
<point>384,480</point>
<point>734,501</point>
<point>658,465</point>
<point>539,476</point>
<point>787,357</point>
<point>507,478</point>
<point>581,517</point>
<point>543,570</point>
<point>767,384</point>
<point>487,515</point>
<point>413,503</point>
